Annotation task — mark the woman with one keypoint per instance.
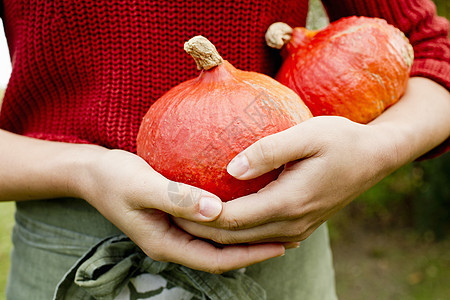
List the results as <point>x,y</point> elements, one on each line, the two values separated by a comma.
<point>85,72</point>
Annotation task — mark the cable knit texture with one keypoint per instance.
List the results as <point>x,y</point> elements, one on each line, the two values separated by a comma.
<point>87,71</point>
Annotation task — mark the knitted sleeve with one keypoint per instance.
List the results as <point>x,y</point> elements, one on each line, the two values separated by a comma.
<point>427,32</point>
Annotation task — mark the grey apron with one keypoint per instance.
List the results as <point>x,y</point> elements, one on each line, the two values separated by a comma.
<point>66,243</point>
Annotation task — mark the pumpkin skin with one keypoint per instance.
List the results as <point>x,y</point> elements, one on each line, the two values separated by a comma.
<point>192,132</point>
<point>356,67</point>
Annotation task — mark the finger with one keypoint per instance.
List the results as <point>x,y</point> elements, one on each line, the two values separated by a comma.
<point>283,231</point>
<point>278,201</point>
<point>181,200</point>
<point>182,248</point>
<point>271,152</point>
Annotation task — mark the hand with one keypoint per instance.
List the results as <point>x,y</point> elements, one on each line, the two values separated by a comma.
<point>134,197</point>
<point>328,162</point>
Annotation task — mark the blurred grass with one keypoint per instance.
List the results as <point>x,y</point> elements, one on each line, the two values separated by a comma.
<point>6,224</point>
<point>390,263</point>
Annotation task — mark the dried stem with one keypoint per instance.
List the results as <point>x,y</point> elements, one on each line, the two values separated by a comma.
<point>204,52</point>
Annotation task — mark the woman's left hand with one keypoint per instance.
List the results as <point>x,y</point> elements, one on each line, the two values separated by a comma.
<point>328,162</point>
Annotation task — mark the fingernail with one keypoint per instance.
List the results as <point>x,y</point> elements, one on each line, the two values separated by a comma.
<point>238,166</point>
<point>291,245</point>
<point>210,207</point>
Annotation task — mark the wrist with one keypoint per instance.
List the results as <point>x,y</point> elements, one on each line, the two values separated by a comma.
<point>81,167</point>
<point>415,124</point>
<point>391,145</point>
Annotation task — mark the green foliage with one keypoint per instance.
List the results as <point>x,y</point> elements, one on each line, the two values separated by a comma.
<point>416,196</point>
<point>431,201</point>
<point>443,7</point>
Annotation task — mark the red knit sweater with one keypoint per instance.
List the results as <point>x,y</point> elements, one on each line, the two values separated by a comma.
<point>87,71</point>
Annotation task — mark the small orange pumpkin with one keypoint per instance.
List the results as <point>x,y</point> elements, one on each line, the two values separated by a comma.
<point>356,67</point>
<point>192,132</point>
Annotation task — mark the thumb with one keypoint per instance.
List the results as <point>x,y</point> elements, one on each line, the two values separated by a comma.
<point>269,153</point>
<point>188,202</point>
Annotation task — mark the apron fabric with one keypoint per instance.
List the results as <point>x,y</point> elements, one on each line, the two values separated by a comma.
<point>67,243</point>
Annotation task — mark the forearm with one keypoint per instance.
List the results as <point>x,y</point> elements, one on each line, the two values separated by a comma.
<point>126,191</point>
<point>36,169</point>
<point>416,124</point>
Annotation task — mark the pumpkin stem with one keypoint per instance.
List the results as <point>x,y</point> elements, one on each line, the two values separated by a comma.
<point>203,52</point>
<point>278,34</point>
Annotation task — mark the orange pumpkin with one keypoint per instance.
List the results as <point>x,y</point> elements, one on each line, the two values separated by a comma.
<point>356,67</point>
<point>193,131</point>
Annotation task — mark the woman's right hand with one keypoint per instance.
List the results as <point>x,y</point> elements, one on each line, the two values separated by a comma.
<point>128,192</point>
<point>138,200</point>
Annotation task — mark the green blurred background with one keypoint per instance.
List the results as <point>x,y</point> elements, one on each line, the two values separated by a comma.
<point>390,243</point>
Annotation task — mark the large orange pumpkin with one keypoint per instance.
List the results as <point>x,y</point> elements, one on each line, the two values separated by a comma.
<point>193,131</point>
<point>356,67</point>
